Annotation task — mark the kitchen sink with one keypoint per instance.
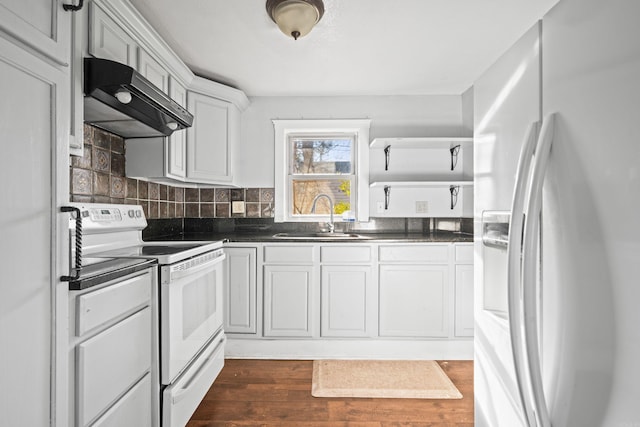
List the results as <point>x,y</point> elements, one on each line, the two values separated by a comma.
<point>318,236</point>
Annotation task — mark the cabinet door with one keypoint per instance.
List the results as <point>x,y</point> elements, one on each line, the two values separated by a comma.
<point>414,300</point>
<point>176,153</point>
<point>108,40</point>
<point>153,71</point>
<point>208,150</point>
<point>33,133</point>
<point>464,301</point>
<point>288,301</point>
<point>240,291</point>
<point>42,25</point>
<point>347,301</point>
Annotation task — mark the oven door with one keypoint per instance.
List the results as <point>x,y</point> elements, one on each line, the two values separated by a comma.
<point>191,310</point>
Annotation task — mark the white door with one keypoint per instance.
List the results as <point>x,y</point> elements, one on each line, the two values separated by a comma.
<point>506,102</point>
<point>240,291</point>
<point>347,301</point>
<point>42,25</point>
<point>289,301</point>
<point>108,40</point>
<point>414,300</point>
<point>176,152</point>
<point>191,311</point>
<point>208,149</point>
<point>153,71</point>
<point>34,169</point>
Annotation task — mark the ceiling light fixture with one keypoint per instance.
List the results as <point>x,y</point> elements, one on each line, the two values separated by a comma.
<point>295,18</point>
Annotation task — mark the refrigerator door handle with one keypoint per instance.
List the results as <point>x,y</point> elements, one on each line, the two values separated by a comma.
<point>514,277</point>
<point>529,269</point>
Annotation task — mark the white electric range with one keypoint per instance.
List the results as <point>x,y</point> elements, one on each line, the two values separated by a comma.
<point>190,301</point>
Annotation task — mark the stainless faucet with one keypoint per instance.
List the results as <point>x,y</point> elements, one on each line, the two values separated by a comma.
<point>313,209</point>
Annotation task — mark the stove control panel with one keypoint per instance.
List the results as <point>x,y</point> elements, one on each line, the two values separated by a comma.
<point>110,216</point>
<point>103,214</point>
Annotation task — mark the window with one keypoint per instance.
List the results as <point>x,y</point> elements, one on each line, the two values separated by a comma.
<point>315,157</point>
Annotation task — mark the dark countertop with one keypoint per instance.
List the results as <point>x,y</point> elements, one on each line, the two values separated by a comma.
<point>267,237</point>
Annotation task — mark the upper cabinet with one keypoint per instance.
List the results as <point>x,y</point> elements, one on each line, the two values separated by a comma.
<point>421,177</point>
<point>208,140</point>
<point>214,136</point>
<point>108,40</point>
<point>176,151</point>
<point>203,154</point>
<point>153,71</point>
<point>41,25</point>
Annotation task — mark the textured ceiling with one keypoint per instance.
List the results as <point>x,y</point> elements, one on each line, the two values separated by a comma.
<point>360,47</point>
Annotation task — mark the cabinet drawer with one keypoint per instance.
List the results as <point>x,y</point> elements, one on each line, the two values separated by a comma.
<point>296,254</point>
<point>415,253</point>
<point>345,254</point>
<point>96,308</point>
<point>464,253</point>
<point>110,363</point>
<point>132,409</point>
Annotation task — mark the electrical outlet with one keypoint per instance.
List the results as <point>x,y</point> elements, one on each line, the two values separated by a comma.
<point>422,207</point>
<point>380,207</point>
<point>237,207</point>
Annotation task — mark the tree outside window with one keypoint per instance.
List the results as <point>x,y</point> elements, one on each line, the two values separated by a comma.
<point>321,165</point>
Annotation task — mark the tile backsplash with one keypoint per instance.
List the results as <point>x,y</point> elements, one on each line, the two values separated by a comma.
<point>99,177</point>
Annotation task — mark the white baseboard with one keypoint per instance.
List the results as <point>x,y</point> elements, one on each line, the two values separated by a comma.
<point>239,348</point>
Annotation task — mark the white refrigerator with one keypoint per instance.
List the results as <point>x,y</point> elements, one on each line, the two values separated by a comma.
<point>557,240</point>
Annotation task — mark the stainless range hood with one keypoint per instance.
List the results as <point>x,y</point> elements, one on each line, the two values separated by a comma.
<point>120,100</point>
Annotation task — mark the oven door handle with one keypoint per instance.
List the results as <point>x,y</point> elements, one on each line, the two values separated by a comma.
<point>184,390</point>
<point>178,274</point>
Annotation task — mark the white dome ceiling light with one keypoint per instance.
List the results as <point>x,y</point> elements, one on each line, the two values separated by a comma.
<point>295,18</point>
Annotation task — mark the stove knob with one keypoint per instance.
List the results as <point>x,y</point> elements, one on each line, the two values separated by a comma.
<point>131,213</point>
<point>138,214</point>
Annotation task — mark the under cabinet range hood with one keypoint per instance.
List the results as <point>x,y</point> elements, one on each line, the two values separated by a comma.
<point>120,100</point>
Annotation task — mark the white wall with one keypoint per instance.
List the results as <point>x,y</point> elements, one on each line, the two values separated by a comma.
<point>403,116</point>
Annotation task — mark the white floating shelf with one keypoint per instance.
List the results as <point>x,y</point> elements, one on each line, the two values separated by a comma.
<point>377,184</point>
<point>422,142</point>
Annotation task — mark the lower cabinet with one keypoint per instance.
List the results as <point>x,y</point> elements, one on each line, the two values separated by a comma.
<point>114,352</point>
<point>289,301</point>
<point>414,300</point>
<point>347,301</point>
<point>464,290</point>
<point>346,290</point>
<point>240,290</point>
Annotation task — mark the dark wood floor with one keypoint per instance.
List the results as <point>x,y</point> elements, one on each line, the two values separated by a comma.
<point>278,393</point>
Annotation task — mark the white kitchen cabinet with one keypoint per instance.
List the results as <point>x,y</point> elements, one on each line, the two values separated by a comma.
<point>209,140</point>
<point>213,139</point>
<point>153,71</point>
<point>114,347</point>
<point>421,177</point>
<point>289,301</point>
<point>109,40</point>
<point>414,300</point>
<point>464,322</point>
<point>366,299</point>
<point>41,25</point>
<point>175,162</point>
<point>241,289</point>
<point>464,300</point>
<point>111,363</point>
<point>347,301</point>
<point>348,293</point>
<point>34,134</point>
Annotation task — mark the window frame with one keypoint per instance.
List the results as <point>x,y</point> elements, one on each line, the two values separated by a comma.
<point>284,130</point>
